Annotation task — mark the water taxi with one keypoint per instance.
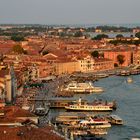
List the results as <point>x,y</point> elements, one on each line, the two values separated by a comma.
<point>95,106</point>
<point>82,88</point>
<point>129,80</point>
<point>114,119</point>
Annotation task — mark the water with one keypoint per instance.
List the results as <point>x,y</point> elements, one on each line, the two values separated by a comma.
<point>112,35</point>
<point>128,100</point>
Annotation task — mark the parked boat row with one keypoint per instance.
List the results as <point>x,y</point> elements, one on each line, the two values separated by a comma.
<point>85,124</point>
<point>83,119</point>
<point>128,72</point>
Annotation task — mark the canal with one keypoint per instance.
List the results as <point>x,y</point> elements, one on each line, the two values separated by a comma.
<point>128,99</point>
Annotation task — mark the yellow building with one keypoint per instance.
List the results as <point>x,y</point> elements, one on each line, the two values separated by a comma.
<point>86,64</point>
<point>66,67</point>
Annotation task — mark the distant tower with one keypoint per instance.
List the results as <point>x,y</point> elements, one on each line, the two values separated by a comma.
<point>11,86</point>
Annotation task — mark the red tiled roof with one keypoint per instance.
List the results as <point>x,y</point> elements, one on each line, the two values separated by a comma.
<point>27,133</point>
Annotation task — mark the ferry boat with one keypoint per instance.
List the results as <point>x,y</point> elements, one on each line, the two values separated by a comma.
<point>82,88</point>
<point>114,119</point>
<point>99,106</point>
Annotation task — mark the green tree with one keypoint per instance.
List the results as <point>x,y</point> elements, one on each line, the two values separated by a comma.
<point>18,49</point>
<point>45,52</point>
<point>115,65</point>
<point>137,35</point>
<point>95,54</point>
<point>17,38</point>
<point>121,59</point>
<point>100,37</point>
<point>119,36</point>
<point>78,34</point>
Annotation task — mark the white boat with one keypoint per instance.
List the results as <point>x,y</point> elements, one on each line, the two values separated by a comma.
<point>41,111</point>
<point>135,139</point>
<point>78,106</point>
<point>129,80</point>
<point>114,119</point>
<point>82,87</point>
<point>95,122</point>
<point>98,131</point>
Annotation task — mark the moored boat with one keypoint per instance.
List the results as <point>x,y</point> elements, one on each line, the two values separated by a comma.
<point>41,111</point>
<point>114,119</point>
<point>95,122</point>
<point>82,88</point>
<point>95,106</point>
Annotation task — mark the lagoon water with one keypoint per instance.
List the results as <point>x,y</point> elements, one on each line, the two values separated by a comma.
<point>128,100</point>
<point>113,34</point>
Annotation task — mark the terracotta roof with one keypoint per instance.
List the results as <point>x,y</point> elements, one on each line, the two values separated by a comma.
<point>4,72</point>
<point>27,133</point>
<point>14,111</point>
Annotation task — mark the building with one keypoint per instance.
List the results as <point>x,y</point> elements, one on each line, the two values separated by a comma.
<point>113,54</point>
<point>86,64</point>
<point>8,85</point>
<point>66,67</point>
<point>136,57</point>
<point>103,64</point>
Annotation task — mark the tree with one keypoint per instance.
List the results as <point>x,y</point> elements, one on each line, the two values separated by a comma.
<point>78,34</point>
<point>17,38</point>
<point>119,36</point>
<point>137,35</point>
<point>100,37</point>
<point>121,59</point>
<point>18,49</point>
<point>45,52</point>
<point>115,65</point>
<point>95,54</point>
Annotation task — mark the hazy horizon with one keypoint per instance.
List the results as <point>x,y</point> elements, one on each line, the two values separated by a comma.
<point>65,12</point>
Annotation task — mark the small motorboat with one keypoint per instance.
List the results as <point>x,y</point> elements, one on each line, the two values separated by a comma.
<point>114,119</point>
<point>129,80</point>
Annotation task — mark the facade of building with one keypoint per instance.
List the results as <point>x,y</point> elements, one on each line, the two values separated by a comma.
<point>136,56</point>
<point>8,85</point>
<point>102,64</point>
<point>86,64</point>
<point>66,67</point>
<point>113,54</point>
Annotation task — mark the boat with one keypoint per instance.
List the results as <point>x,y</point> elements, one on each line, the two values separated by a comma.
<point>90,131</point>
<point>129,80</point>
<point>95,122</point>
<point>79,132</point>
<point>135,139</point>
<point>82,88</point>
<point>101,75</point>
<point>98,131</point>
<point>123,73</point>
<point>41,111</point>
<point>97,106</point>
<point>70,118</point>
<point>114,119</point>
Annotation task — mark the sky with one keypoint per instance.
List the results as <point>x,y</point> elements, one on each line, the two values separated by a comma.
<point>69,11</point>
